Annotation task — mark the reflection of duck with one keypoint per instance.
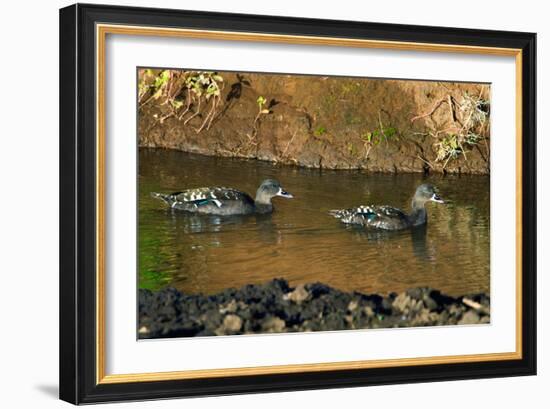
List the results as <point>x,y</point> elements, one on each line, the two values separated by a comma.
<point>225,201</point>
<point>422,250</point>
<point>390,218</point>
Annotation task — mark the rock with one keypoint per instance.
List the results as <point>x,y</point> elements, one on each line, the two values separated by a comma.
<point>207,333</point>
<point>291,314</point>
<point>387,303</point>
<point>231,325</point>
<point>273,324</point>
<point>275,307</point>
<point>430,303</point>
<point>369,312</point>
<point>352,306</point>
<point>252,327</point>
<point>172,329</point>
<point>230,307</point>
<point>469,318</point>
<point>456,310</point>
<point>318,289</point>
<point>485,320</point>
<point>443,318</point>
<point>298,295</point>
<point>416,293</point>
<point>333,322</point>
<point>424,317</point>
<point>402,303</point>
<point>257,310</point>
<point>211,318</point>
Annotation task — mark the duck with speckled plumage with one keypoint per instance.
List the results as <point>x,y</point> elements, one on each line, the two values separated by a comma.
<point>391,218</point>
<point>225,201</point>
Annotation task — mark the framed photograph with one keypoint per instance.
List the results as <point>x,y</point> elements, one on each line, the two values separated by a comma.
<point>257,203</point>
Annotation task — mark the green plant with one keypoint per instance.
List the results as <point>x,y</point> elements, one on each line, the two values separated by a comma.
<point>468,128</point>
<point>262,110</point>
<point>320,131</point>
<point>374,138</point>
<point>379,135</point>
<point>203,86</point>
<point>449,147</point>
<point>184,92</point>
<point>475,110</point>
<point>261,101</point>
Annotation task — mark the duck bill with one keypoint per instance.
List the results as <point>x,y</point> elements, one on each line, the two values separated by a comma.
<point>285,194</point>
<point>437,199</point>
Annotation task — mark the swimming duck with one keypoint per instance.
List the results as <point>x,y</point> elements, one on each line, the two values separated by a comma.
<point>390,218</point>
<point>225,201</point>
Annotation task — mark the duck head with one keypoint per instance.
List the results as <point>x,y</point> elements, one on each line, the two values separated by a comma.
<point>426,193</point>
<point>269,189</point>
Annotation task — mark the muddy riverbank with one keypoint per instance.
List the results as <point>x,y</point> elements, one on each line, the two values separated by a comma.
<point>277,307</point>
<point>319,122</point>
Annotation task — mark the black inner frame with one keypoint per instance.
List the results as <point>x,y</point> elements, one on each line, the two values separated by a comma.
<point>78,198</point>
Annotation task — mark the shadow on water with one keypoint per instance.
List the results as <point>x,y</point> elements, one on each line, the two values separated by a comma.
<point>418,237</point>
<point>300,241</point>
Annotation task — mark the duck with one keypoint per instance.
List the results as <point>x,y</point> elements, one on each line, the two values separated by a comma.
<point>225,201</point>
<point>388,217</point>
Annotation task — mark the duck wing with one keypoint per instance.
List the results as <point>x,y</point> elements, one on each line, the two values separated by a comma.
<point>203,196</point>
<point>377,217</point>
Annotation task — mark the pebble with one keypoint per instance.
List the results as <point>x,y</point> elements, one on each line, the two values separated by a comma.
<point>352,306</point>
<point>273,324</point>
<point>469,318</point>
<point>299,294</point>
<point>402,303</point>
<point>231,325</point>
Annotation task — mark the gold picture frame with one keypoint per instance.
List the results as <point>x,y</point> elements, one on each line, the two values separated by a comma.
<point>93,384</point>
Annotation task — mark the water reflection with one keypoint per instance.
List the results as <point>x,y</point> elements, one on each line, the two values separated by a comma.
<point>300,241</point>
<point>420,244</point>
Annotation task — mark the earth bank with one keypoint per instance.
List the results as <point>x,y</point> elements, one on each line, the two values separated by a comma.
<point>276,307</point>
<point>322,122</point>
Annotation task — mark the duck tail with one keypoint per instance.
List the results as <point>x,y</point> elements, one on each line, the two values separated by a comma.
<point>337,213</point>
<point>166,198</point>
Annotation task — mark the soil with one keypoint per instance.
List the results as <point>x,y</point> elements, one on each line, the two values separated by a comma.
<point>276,307</point>
<point>321,122</point>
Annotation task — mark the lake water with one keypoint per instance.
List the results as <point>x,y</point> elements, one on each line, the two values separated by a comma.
<point>300,241</point>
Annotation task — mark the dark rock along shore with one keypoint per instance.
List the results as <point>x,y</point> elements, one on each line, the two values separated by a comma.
<point>276,307</point>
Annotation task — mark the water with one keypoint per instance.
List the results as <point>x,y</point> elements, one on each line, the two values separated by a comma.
<point>300,241</point>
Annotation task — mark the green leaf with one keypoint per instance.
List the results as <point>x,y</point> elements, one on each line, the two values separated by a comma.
<point>367,136</point>
<point>176,104</point>
<point>320,131</point>
<point>390,132</point>
<point>157,94</point>
<point>261,101</point>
